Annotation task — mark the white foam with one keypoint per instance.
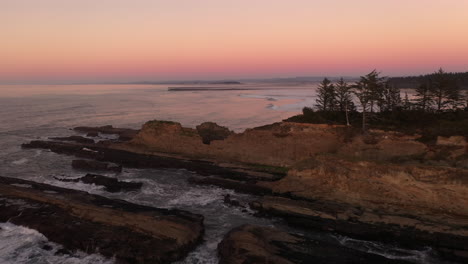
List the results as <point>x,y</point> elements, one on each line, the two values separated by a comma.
<point>90,150</point>
<point>20,161</point>
<point>388,251</point>
<point>272,106</point>
<point>197,197</point>
<point>21,245</point>
<point>90,188</point>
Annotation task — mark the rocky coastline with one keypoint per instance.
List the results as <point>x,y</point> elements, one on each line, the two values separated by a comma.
<point>382,186</point>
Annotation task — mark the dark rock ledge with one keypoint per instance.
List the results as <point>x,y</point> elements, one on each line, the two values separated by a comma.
<point>366,224</point>
<point>124,134</point>
<point>103,153</point>
<point>80,221</point>
<point>78,139</point>
<point>265,245</point>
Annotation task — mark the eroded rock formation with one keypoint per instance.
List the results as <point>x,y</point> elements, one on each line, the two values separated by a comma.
<point>80,221</point>
<point>265,245</point>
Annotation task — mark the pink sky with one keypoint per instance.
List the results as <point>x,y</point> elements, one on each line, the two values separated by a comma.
<point>124,40</point>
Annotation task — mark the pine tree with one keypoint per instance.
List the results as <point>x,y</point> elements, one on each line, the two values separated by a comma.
<point>391,98</point>
<point>375,85</point>
<point>343,97</point>
<point>406,103</point>
<point>369,91</point>
<point>445,91</point>
<point>423,96</point>
<point>326,96</point>
<point>363,94</point>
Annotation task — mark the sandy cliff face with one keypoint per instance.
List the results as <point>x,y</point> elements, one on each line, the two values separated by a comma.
<point>383,146</point>
<point>404,189</point>
<point>331,163</point>
<point>280,144</point>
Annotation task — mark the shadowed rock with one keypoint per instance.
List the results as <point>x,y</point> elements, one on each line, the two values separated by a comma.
<point>114,228</point>
<point>110,184</point>
<point>125,134</point>
<point>95,165</point>
<point>265,245</point>
<point>103,153</point>
<point>231,202</point>
<point>92,134</point>
<point>210,131</point>
<point>405,230</point>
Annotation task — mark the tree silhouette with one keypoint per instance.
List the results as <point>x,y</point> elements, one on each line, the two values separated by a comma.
<point>369,91</point>
<point>445,91</point>
<point>406,103</point>
<point>343,98</point>
<point>326,96</point>
<point>391,98</point>
<point>423,96</point>
<point>363,94</point>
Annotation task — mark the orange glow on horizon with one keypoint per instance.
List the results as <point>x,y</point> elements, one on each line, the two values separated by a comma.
<point>162,40</point>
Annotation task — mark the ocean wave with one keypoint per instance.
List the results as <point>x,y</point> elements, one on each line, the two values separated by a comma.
<point>21,245</point>
<point>20,161</point>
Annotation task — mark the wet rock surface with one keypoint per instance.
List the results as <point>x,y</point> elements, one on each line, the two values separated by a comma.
<point>114,228</point>
<point>231,202</point>
<point>103,153</point>
<point>124,134</point>
<point>361,223</point>
<point>78,139</point>
<point>110,184</point>
<point>257,244</point>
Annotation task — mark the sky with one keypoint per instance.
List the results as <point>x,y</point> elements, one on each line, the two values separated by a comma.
<point>156,40</point>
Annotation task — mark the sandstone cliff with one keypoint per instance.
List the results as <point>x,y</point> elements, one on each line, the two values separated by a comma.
<point>280,144</point>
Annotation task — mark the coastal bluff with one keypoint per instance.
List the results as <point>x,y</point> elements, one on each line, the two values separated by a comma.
<point>280,144</point>
<point>380,186</point>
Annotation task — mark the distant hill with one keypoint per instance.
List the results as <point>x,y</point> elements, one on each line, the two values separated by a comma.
<point>414,81</point>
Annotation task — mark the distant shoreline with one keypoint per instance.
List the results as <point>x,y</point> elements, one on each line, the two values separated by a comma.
<point>207,88</point>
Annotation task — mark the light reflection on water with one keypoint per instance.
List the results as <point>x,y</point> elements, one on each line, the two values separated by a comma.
<point>131,105</point>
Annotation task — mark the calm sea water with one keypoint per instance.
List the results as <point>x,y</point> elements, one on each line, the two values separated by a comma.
<point>31,112</point>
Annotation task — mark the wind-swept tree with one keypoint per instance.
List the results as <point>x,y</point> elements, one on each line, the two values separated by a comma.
<point>391,98</point>
<point>369,92</point>
<point>423,96</point>
<point>375,85</point>
<point>466,101</point>
<point>343,98</point>
<point>363,94</point>
<point>326,96</point>
<point>444,90</point>
<point>406,103</point>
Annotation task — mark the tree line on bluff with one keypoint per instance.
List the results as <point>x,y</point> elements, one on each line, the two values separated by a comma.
<point>379,102</point>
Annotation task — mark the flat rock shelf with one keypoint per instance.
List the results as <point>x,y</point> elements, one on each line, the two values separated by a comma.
<point>127,232</point>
